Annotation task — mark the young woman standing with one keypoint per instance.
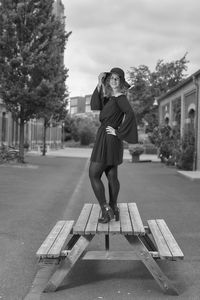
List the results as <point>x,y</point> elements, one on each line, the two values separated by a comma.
<point>118,123</point>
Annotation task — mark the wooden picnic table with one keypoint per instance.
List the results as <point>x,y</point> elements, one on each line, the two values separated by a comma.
<point>67,243</point>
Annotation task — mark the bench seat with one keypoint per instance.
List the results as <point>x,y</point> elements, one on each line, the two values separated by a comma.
<point>165,242</point>
<point>56,241</point>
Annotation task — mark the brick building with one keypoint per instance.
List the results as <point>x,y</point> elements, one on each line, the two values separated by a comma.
<point>181,105</point>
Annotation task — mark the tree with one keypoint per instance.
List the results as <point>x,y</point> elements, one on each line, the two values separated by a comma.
<point>146,85</point>
<point>52,89</point>
<point>28,32</point>
<point>167,75</point>
<point>140,94</point>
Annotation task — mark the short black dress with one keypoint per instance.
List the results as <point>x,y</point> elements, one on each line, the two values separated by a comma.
<point>115,112</point>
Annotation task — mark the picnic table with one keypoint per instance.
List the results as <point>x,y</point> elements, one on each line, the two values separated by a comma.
<point>68,240</point>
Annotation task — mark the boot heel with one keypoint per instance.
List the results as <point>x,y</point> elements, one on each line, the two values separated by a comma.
<point>116,214</point>
<point>111,214</point>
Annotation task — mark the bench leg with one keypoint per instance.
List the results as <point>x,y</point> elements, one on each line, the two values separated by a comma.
<point>144,255</point>
<point>107,242</point>
<point>67,264</point>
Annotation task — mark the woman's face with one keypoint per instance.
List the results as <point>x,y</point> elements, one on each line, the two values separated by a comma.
<point>114,81</point>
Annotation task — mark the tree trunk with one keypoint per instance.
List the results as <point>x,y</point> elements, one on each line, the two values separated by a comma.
<point>44,138</point>
<point>21,142</point>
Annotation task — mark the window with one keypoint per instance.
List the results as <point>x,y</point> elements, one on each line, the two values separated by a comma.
<point>73,110</point>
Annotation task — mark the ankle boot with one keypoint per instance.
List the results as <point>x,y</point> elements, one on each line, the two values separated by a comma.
<point>115,211</point>
<point>107,214</point>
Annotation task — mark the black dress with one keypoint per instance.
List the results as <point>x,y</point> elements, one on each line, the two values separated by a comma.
<point>117,113</point>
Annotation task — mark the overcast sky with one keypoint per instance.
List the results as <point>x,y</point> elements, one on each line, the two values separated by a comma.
<point>127,33</point>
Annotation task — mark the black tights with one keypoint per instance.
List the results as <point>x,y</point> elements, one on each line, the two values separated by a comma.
<point>95,173</point>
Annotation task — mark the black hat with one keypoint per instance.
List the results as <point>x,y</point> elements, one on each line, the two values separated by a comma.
<point>120,73</point>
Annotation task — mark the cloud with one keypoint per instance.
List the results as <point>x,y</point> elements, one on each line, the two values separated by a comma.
<point>127,33</point>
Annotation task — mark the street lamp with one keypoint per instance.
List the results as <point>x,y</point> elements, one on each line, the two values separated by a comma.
<point>155,103</point>
<point>63,138</point>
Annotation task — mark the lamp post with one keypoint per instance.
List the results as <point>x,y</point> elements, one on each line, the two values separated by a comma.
<point>62,134</point>
<point>155,103</point>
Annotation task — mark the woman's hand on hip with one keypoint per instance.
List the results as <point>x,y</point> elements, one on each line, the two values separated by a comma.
<point>110,130</point>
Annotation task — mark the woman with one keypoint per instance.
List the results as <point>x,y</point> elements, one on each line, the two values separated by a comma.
<point>117,124</point>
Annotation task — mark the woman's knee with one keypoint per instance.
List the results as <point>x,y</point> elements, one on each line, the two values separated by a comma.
<point>112,176</point>
<point>95,170</point>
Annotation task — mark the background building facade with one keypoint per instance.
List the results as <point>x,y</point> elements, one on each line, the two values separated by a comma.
<point>181,106</point>
<point>81,106</point>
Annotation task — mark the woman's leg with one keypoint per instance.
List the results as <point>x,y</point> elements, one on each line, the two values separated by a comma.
<point>95,172</point>
<point>113,186</point>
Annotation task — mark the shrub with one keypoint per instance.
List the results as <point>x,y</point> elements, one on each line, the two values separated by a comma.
<point>83,129</point>
<point>185,154</point>
<point>87,135</point>
<point>136,149</point>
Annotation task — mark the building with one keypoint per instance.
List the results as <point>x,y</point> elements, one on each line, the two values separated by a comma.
<point>81,106</point>
<point>181,105</point>
<point>77,105</point>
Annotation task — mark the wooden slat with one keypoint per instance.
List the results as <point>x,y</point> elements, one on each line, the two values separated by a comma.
<point>136,220</point>
<point>102,228</point>
<point>93,220</point>
<point>114,227</point>
<point>81,223</point>
<point>61,240</point>
<point>163,249</point>
<point>48,242</point>
<point>170,240</point>
<point>126,227</point>
<point>113,255</point>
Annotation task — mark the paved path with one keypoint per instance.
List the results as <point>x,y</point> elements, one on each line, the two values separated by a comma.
<point>86,152</point>
<point>33,199</point>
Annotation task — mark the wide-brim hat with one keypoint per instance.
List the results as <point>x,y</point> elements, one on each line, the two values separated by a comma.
<point>121,75</point>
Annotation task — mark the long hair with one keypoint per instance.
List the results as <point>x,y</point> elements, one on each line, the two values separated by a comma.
<point>107,90</point>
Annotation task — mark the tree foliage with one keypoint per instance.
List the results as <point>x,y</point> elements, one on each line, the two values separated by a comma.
<point>146,85</point>
<point>31,73</point>
<point>84,129</point>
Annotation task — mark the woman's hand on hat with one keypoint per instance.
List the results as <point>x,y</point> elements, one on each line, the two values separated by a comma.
<point>110,130</point>
<point>101,77</point>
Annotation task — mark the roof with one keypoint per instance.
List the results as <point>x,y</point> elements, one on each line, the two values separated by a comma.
<point>178,86</point>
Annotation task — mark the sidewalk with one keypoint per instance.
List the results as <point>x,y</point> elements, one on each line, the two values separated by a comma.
<point>86,152</point>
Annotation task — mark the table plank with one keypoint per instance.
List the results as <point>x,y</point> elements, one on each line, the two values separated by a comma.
<point>114,227</point>
<point>136,220</point>
<point>169,238</point>
<point>126,227</point>
<point>102,227</point>
<point>163,249</point>
<point>93,220</point>
<point>79,227</point>
<point>48,242</point>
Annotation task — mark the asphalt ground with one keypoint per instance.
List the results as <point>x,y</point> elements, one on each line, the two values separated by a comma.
<point>32,199</point>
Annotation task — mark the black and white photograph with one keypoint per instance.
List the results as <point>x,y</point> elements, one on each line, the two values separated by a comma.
<point>99,150</point>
